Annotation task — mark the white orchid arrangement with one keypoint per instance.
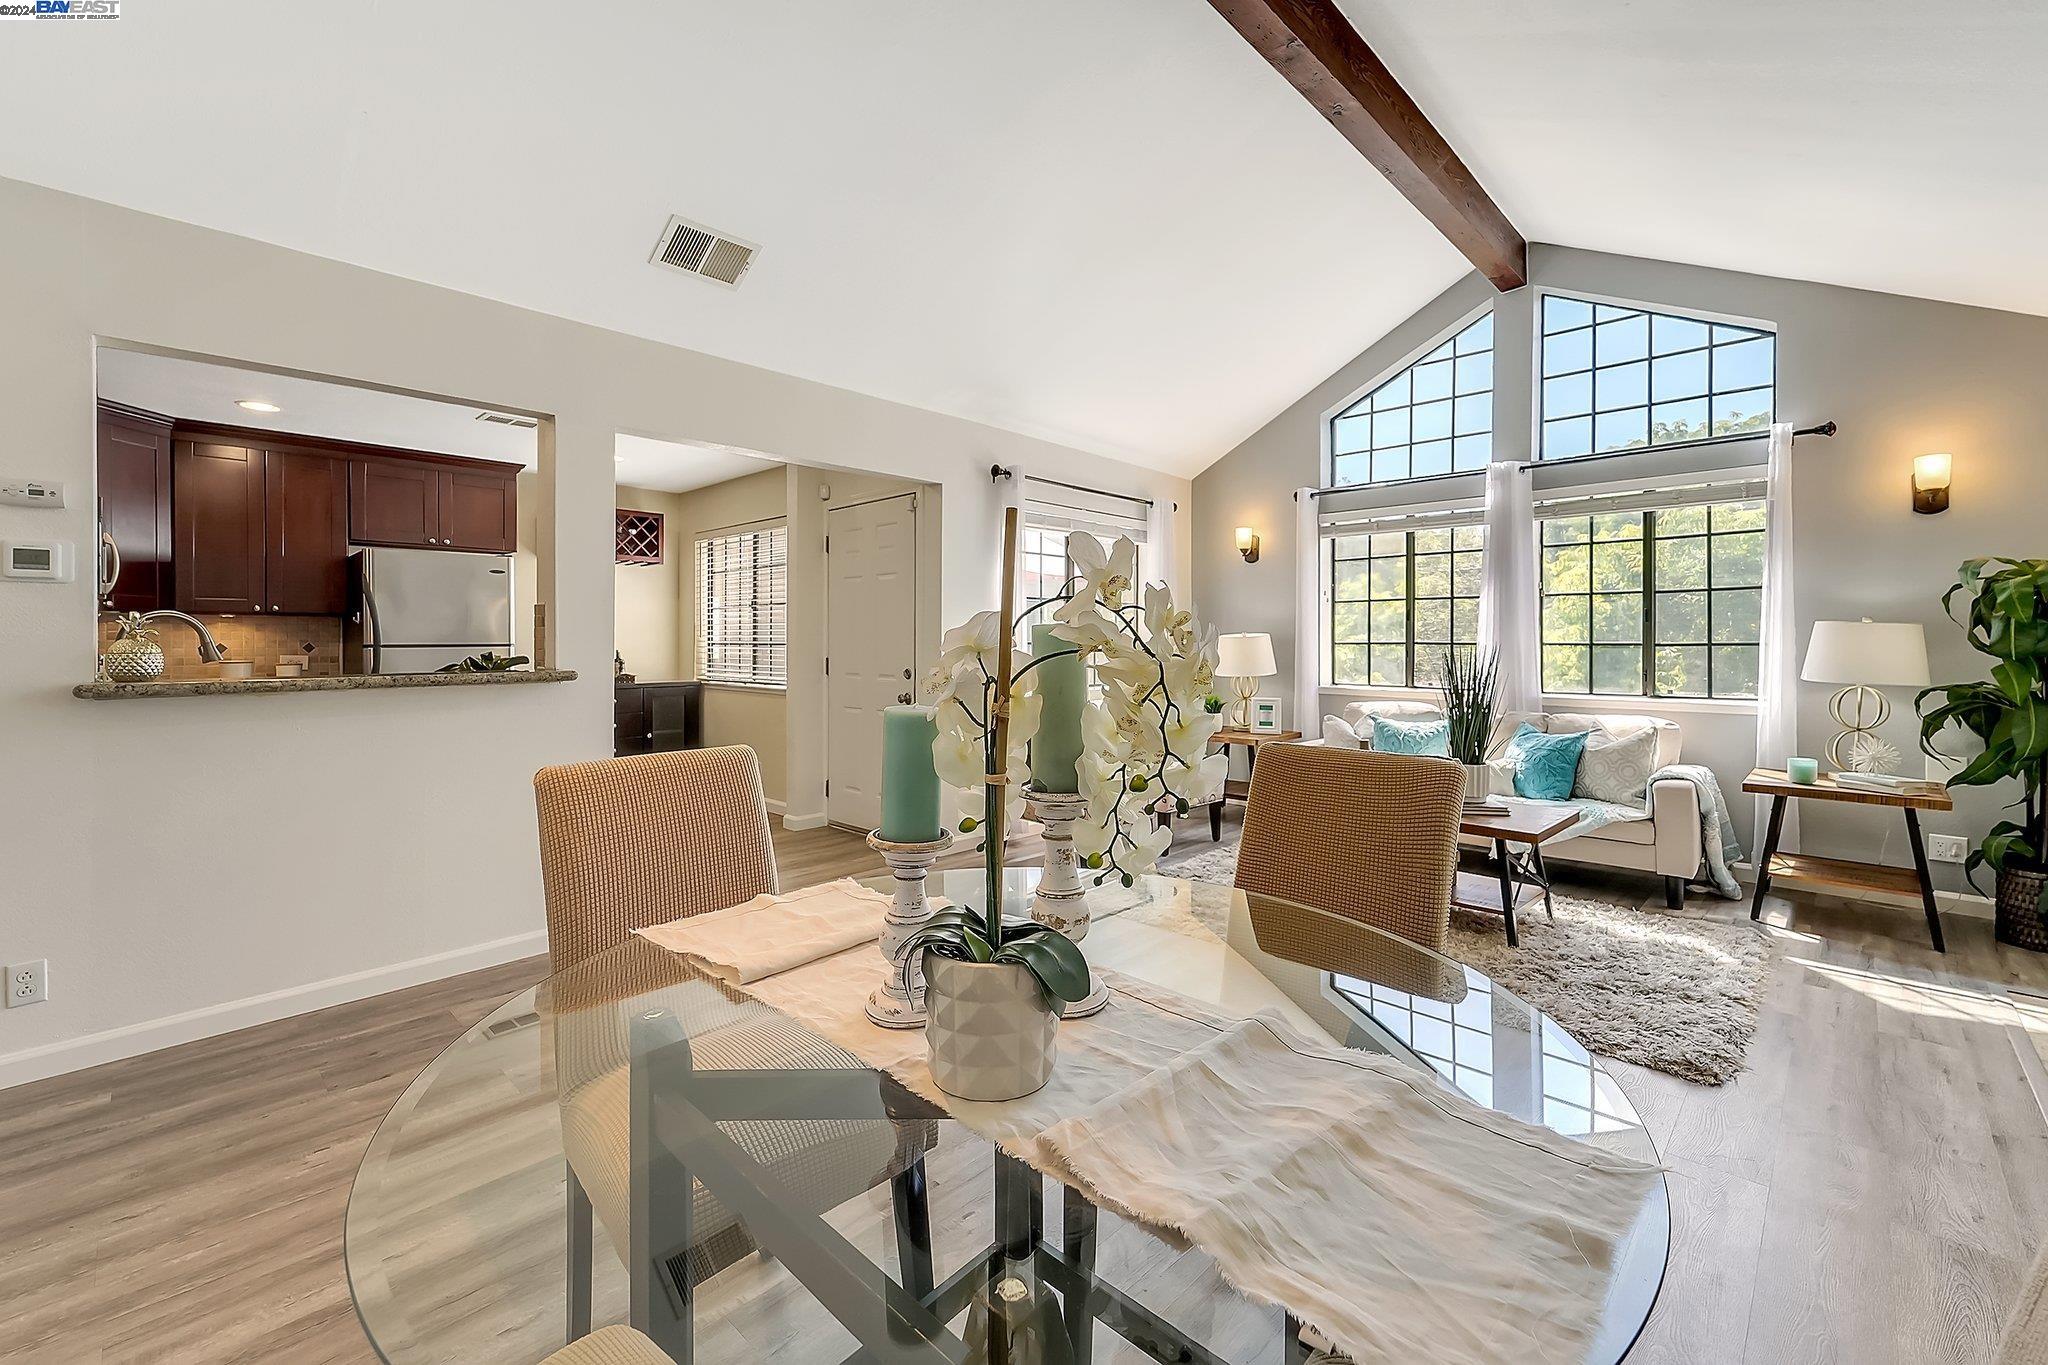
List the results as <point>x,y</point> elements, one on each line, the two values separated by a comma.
<point>1144,740</point>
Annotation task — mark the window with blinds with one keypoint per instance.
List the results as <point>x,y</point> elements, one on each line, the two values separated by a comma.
<point>1654,593</point>
<point>743,607</point>
<point>1400,592</point>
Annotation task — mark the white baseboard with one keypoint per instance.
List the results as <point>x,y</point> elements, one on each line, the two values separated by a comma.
<point>775,807</point>
<point>152,1035</point>
<point>796,822</point>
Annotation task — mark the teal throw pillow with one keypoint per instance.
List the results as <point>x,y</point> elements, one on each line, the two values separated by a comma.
<point>1429,737</point>
<point>1545,765</point>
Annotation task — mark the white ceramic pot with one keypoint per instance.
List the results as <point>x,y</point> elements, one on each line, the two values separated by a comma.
<point>1478,783</point>
<point>991,1033</point>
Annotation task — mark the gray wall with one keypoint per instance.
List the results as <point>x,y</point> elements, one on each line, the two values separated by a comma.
<point>1903,376</point>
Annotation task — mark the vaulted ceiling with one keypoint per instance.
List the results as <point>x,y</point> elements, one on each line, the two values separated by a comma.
<point>1107,224</point>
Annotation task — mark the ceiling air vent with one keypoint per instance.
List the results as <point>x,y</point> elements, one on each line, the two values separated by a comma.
<point>696,250</point>
<point>506,419</point>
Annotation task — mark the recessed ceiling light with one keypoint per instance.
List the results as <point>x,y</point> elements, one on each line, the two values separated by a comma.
<point>257,405</point>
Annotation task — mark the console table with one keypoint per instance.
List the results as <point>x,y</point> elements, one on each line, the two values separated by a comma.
<point>1841,872</point>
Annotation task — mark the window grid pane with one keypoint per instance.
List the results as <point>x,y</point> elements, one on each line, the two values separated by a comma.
<point>1601,365</point>
<point>1435,417</point>
<point>1398,600</point>
<point>1665,603</point>
<point>743,608</point>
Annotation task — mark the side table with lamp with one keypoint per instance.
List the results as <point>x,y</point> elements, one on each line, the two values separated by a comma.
<point>1862,656</point>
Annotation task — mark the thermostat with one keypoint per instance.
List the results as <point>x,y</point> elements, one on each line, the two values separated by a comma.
<point>48,560</point>
<point>31,493</point>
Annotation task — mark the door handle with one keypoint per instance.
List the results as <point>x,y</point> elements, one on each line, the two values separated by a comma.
<point>904,698</point>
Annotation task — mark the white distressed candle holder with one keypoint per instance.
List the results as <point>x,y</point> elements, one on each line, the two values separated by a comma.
<point>1062,901</point>
<point>899,1001</point>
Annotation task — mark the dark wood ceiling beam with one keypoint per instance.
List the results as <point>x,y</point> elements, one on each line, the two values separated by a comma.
<point>1314,46</point>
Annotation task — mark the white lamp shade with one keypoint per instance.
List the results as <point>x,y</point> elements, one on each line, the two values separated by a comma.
<point>1245,656</point>
<point>1876,653</point>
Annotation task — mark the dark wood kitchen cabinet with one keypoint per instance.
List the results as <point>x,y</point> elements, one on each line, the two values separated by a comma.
<point>394,502</point>
<point>134,507</point>
<point>258,530</point>
<point>217,528</point>
<point>401,502</point>
<point>480,509</point>
<point>305,514</point>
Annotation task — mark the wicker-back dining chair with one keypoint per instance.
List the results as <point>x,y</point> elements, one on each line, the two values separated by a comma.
<point>1354,832</point>
<point>626,843</point>
<point>630,842</point>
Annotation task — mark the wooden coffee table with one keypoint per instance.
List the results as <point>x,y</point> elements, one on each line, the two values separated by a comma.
<point>1521,878</point>
<point>1840,872</point>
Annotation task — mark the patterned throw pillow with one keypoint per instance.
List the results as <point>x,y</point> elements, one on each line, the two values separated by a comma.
<point>1431,738</point>
<point>1545,765</point>
<point>1617,768</point>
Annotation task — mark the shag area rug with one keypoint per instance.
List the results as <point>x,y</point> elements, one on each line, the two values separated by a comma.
<point>1674,994</point>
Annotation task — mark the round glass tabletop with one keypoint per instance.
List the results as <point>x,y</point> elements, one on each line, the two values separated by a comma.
<point>467,1238</point>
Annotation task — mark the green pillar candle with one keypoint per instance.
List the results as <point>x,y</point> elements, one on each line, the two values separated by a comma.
<point>910,785</point>
<point>1062,691</point>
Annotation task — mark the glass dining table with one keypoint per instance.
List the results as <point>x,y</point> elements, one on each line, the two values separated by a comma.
<point>636,1140</point>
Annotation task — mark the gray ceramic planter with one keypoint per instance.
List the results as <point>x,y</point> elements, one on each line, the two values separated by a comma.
<point>991,1033</point>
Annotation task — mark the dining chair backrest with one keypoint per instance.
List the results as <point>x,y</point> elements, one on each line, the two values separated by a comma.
<point>1354,832</point>
<point>629,842</point>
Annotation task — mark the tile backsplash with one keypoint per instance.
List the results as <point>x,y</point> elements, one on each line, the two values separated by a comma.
<point>258,639</point>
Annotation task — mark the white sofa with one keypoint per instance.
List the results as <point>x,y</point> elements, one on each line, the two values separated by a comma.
<point>1666,843</point>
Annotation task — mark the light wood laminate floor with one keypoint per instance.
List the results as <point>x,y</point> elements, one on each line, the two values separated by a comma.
<point>1869,1190</point>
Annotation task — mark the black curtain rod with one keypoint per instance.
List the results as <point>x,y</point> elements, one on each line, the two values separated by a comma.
<point>1822,429</point>
<point>998,473</point>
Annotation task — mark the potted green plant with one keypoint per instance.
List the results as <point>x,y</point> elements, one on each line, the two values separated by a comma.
<point>1471,698</point>
<point>993,1006</point>
<point>2008,620</point>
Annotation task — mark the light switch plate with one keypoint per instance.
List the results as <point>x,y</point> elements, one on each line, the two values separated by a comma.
<point>32,493</point>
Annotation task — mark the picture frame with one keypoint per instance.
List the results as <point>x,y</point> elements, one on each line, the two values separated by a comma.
<point>1265,716</point>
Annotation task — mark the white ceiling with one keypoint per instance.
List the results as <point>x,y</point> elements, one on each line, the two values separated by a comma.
<point>201,391</point>
<point>677,467</point>
<point>1106,224</point>
<point>1895,145</point>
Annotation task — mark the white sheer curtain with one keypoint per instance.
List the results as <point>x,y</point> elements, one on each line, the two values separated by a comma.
<point>1508,610</point>
<point>1308,616</point>
<point>1162,549</point>
<point>1777,693</point>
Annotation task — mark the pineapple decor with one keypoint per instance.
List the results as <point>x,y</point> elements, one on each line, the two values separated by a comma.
<point>134,656</point>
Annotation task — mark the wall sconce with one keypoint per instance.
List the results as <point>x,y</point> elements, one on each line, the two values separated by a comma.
<point>1248,544</point>
<point>1930,482</point>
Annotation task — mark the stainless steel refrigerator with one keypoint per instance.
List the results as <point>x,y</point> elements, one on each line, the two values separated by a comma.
<point>416,611</point>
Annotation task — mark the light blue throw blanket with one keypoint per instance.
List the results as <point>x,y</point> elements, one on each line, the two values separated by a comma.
<point>1717,833</point>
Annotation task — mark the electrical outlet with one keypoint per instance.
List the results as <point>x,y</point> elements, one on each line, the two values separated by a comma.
<point>28,983</point>
<point>1947,848</point>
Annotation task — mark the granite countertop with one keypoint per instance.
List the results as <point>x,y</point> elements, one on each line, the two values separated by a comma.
<point>215,687</point>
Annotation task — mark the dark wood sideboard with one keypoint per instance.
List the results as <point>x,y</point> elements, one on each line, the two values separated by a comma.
<point>656,717</point>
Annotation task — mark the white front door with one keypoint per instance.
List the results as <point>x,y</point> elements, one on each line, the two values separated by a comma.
<point>870,647</point>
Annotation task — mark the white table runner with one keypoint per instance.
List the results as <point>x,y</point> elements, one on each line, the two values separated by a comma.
<point>1397,1217</point>
<point>770,934</point>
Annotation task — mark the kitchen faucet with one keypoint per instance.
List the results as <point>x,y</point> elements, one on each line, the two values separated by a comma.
<point>210,651</point>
